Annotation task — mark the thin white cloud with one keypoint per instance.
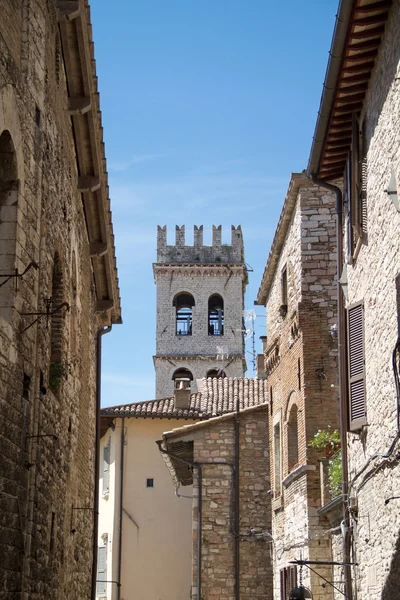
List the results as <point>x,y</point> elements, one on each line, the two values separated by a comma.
<point>138,158</point>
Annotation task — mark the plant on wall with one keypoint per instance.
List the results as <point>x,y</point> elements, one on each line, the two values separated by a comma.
<point>59,369</point>
<point>329,441</point>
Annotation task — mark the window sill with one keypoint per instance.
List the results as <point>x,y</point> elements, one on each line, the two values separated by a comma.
<point>298,472</point>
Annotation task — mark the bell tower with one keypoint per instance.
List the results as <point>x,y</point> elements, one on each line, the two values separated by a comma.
<point>200,303</point>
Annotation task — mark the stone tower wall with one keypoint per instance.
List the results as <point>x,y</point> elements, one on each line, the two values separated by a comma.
<point>218,270</point>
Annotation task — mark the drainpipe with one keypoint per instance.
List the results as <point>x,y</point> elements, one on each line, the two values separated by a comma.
<point>100,334</point>
<point>237,501</point>
<point>197,466</point>
<point>121,493</point>
<point>342,386</point>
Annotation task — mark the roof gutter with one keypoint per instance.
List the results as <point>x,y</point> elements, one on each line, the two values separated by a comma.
<point>329,87</point>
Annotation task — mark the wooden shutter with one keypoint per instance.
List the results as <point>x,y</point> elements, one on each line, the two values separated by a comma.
<point>356,366</point>
<point>101,586</point>
<point>355,177</point>
<point>348,201</point>
<point>292,578</point>
<point>283,584</point>
<point>106,468</point>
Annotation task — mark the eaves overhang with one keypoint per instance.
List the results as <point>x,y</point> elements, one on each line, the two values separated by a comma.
<point>296,181</point>
<point>84,110</point>
<point>359,28</point>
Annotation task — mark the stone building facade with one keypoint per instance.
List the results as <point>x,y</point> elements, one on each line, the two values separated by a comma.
<point>200,303</point>
<point>145,516</point>
<point>231,552</point>
<point>369,167</point>
<point>58,289</point>
<point>300,361</point>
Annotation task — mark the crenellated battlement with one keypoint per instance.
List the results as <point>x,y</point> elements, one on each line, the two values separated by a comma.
<point>200,253</point>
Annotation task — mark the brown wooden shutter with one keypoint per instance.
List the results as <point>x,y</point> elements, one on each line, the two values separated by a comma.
<point>356,366</point>
<point>356,215</point>
<point>283,584</point>
<point>348,201</point>
<point>292,578</point>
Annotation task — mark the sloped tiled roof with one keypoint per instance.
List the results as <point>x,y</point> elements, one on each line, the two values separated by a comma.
<point>218,396</point>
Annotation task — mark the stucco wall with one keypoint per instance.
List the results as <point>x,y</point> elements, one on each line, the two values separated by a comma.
<point>157,525</point>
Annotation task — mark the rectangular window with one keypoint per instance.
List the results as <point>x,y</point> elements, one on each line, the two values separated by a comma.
<point>284,286</point>
<point>101,585</point>
<point>106,468</point>
<point>149,483</point>
<point>277,458</point>
<point>356,366</point>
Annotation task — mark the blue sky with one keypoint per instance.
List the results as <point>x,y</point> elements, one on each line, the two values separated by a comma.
<point>208,106</point>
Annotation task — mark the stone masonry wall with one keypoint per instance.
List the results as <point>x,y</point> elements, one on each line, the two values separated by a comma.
<point>215,443</point>
<point>47,431</point>
<point>201,282</point>
<point>301,366</point>
<point>374,279</point>
<point>199,366</point>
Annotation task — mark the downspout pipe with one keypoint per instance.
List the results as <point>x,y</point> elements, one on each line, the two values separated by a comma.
<point>100,334</point>
<point>120,508</point>
<point>197,466</point>
<point>342,385</point>
<point>237,499</point>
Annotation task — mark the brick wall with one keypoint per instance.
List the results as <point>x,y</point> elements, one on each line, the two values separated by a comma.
<point>301,365</point>
<point>213,443</point>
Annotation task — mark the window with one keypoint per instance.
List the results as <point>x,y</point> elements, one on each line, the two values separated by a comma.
<point>277,458</point>
<point>150,483</point>
<point>293,439</point>
<point>182,378</point>
<point>106,468</point>
<point>216,374</point>
<point>355,190</point>
<point>183,303</point>
<point>101,585</point>
<point>284,292</point>
<point>215,315</point>
<point>288,577</point>
<point>356,366</point>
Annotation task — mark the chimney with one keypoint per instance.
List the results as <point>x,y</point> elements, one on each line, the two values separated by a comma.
<point>182,393</point>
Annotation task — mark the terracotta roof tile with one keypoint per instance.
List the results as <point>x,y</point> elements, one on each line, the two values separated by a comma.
<point>217,397</point>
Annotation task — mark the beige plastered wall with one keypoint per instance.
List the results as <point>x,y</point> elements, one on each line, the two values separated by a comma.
<point>156,524</point>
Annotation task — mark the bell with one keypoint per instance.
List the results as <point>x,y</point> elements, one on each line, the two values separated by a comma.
<point>300,593</point>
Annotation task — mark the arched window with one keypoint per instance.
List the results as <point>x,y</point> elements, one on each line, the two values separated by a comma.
<point>182,378</point>
<point>293,439</point>
<point>215,315</point>
<point>183,303</point>
<point>8,217</point>
<point>216,373</point>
